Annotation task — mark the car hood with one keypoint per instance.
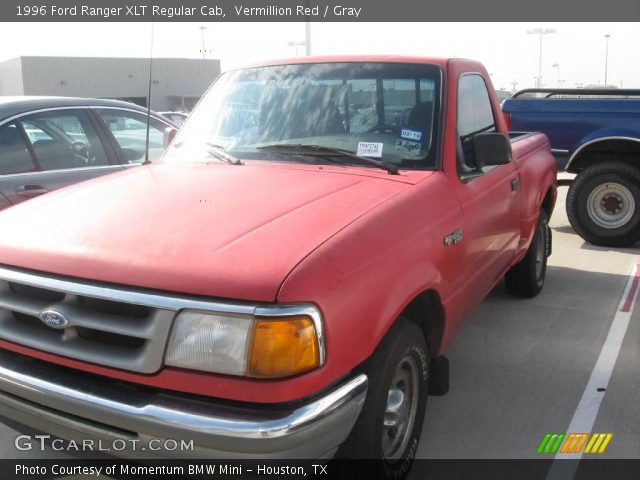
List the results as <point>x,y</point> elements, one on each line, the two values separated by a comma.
<point>216,230</point>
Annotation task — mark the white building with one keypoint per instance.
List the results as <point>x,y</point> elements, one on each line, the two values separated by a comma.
<point>177,83</point>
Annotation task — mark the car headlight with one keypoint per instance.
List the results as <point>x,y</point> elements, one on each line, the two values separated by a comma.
<point>272,342</point>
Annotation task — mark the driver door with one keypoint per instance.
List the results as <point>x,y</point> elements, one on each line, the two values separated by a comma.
<point>57,148</point>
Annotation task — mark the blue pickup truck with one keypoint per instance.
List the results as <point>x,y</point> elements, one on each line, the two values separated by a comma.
<point>595,134</point>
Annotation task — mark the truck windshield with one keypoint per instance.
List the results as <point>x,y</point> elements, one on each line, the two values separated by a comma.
<point>385,111</point>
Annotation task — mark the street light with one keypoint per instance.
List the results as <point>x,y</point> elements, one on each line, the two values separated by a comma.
<point>202,30</point>
<point>606,58</point>
<point>540,32</point>
<point>557,66</point>
<point>307,31</point>
<point>300,43</point>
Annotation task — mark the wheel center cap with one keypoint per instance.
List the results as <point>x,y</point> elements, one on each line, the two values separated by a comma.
<point>611,204</point>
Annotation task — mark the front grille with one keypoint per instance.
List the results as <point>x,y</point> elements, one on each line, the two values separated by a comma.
<point>35,293</point>
<point>101,330</point>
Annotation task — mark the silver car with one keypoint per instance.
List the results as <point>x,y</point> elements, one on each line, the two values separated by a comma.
<point>51,142</point>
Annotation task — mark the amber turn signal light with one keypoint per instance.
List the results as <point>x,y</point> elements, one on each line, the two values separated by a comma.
<point>283,347</point>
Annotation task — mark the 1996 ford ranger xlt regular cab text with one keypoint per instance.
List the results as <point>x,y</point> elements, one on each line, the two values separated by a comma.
<point>285,281</point>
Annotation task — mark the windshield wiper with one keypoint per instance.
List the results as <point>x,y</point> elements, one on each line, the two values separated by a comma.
<point>218,152</point>
<point>322,151</point>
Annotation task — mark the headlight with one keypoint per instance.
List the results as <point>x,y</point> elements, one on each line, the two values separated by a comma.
<point>274,342</point>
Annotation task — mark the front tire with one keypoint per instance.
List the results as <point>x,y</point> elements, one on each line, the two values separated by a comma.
<point>603,204</point>
<point>526,278</point>
<point>389,426</point>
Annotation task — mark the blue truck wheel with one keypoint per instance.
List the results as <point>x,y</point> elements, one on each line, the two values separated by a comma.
<point>603,204</point>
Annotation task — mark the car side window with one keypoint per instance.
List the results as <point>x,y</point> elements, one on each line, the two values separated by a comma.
<point>130,131</point>
<point>64,139</point>
<point>14,154</point>
<point>177,118</point>
<point>35,133</point>
<point>475,115</point>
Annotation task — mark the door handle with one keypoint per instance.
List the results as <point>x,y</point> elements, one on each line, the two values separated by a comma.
<point>515,184</point>
<point>29,190</point>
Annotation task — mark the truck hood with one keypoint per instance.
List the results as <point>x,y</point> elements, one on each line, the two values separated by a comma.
<point>216,230</point>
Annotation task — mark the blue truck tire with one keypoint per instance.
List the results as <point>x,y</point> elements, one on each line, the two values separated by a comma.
<point>603,204</point>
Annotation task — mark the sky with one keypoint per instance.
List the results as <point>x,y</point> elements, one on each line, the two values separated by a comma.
<point>509,53</point>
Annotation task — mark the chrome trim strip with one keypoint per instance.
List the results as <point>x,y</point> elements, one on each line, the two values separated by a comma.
<point>117,294</point>
<point>175,416</point>
<point>168,302</point>
<point>559,150</point>
<point>116,167</point>
<point>81,107</point>
<point>596,140</point>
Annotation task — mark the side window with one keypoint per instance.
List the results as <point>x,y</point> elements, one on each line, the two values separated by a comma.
<point>35,133</point>
<point>130,131</point>
<point>64,139</point>
<point>475,115</point>
<point>14,155</point>
<point>176,118</point>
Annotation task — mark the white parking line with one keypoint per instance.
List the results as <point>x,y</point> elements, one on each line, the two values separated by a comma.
<point>585,415</point>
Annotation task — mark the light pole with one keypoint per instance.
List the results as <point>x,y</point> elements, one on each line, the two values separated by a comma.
<point>202,30</point>
<point>307,32</point>
<point>557,66</point>
<point>606,58</point>
<point>540,32</point>
<point>300,43</point>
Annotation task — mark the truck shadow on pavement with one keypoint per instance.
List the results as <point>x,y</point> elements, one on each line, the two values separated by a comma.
<point>519,368</point>
<point>635,248</point>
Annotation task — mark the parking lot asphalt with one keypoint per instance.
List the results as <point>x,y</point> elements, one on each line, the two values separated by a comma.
<point>519,368</point>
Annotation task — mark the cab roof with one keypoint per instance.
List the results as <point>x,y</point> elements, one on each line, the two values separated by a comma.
<point>439,61</point>
<point>10,106</point>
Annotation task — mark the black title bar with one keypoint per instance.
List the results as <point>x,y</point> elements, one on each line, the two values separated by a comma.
<point>585,469</point>
<point>317,11</point>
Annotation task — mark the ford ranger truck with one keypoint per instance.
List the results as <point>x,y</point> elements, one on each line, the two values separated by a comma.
<point>285,281</point>
<point>594,134</point>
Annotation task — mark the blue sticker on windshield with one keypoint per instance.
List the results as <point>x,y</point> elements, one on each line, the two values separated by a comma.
<point>410,134</point>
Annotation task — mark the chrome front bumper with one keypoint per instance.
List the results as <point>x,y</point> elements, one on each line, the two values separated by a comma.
<point>74,406</point>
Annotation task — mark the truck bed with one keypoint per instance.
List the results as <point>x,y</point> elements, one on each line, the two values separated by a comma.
<point>568,117</point>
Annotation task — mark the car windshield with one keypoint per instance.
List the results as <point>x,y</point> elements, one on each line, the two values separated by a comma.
<point>383,111</point>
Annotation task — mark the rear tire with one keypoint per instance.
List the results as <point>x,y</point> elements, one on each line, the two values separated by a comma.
<point>603,204</point>
<point>389,426</point>
<point>526,278</point>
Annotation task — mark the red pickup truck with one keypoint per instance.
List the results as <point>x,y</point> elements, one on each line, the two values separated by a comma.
<point>283,284</point>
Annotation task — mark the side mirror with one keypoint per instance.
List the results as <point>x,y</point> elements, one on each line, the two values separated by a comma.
<point>169,135</point>
<point>490,149</point>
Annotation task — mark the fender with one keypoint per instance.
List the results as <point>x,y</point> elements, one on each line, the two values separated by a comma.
<point>600,136</point>
<point>384,260</point>
<point>388,281</point>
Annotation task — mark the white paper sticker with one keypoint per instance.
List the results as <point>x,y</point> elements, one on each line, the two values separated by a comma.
<point>366,149</point>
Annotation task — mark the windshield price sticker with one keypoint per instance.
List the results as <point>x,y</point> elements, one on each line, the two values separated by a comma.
<point>410,147</point>
<point>409,134</point>
<point>366,149</point>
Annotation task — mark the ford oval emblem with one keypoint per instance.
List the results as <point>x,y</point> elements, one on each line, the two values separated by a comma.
<point>54,319</point>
